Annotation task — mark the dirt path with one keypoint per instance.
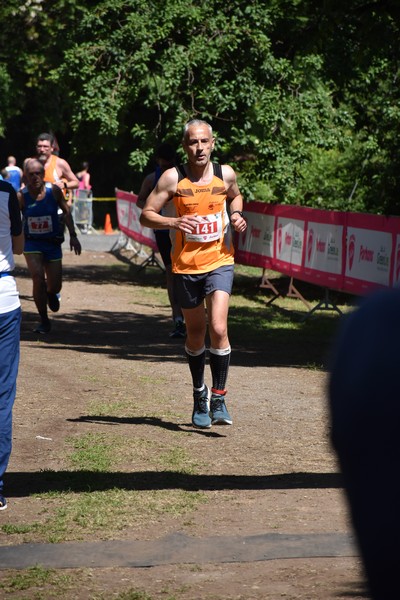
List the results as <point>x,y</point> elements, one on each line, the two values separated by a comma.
<point>272,472</point>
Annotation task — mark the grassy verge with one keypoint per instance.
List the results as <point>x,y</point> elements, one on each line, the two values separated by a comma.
<point>90,511</point>
<point>278,335</point>
<point>94,497</point>
<point>282,330</point>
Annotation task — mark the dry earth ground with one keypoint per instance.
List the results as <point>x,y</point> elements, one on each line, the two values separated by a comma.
<point>273,471</point>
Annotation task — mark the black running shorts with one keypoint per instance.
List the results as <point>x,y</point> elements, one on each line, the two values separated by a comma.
<point>192,289</point>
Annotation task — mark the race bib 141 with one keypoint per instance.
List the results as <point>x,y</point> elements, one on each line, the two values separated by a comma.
<point>208,229</point>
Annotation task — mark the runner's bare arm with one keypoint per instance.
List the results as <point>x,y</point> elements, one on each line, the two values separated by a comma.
<point>62,203</point>
<point>164,190</point>
<point>21,202</point>
<point>18,240</point>
<point>18,243</point>
<point>71,181</point>
<point>145,190</point>
<point>235,199</point>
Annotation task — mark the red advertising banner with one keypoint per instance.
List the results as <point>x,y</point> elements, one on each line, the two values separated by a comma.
<point>351,252</point>
<point>128,215</point>
<point>370,251</point>
<point>256,246</point>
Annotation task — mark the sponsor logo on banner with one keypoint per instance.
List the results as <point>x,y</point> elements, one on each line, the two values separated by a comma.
<point>333,249</point>
<point>268,236</point>
<point>382,259</point>
<point>123,212</point>
<point>258,237</point>
<point>369,255</point>
<point>320,246</point>
<point>297,242</point>
<point>322,251</point>
<point>255,245</point>
<point>352,247</point>
<point>310,242</point>
<point>366,254</point>
<point>290,241</point>
<point>280,238</point>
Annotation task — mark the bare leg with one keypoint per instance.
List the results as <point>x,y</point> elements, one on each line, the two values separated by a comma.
<point>54,276</point>
<point>36,268</point>
<point>217,309</point>
<point>196,326</point>
<point>220,353</point>
<point>46,277</point>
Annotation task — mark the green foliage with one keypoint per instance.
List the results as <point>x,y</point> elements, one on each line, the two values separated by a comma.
<point>5,88</point>
<point>303,95</point>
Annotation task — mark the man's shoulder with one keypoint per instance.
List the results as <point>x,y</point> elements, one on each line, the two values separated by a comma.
<point>60,161</point>
<point>170,176</point>
<point>228,174</point>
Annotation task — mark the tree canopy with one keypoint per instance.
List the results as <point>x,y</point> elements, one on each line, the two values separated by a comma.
<point>303,95</point>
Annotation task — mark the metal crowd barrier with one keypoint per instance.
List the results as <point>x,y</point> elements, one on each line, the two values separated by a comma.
<point>82,210</point>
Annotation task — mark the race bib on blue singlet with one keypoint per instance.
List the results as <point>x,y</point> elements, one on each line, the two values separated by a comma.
<point>40,225</point>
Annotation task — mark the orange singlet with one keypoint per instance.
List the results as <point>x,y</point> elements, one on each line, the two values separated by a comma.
<point>50,172</point>
<point>210,246</point>
<point>51,175</point>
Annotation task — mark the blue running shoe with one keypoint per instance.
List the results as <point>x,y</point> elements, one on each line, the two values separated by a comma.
<point>53,300</point>
<point>218,411</point>
<point>3,502</point>
<point>200,415</point>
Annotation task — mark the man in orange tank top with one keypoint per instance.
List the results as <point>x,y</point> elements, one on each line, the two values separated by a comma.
<point>206,208</point>
<point>57,170</point>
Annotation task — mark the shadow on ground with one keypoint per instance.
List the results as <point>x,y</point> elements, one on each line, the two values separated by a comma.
<point>27,483</point>
<point>136,336</point>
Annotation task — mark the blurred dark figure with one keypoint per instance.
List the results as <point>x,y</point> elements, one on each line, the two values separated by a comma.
<point>365,417</point>
<point>165,158</point>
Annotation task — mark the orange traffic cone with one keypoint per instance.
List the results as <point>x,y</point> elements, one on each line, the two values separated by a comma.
<point>107,225</point>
